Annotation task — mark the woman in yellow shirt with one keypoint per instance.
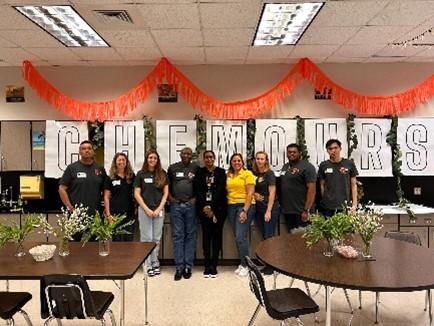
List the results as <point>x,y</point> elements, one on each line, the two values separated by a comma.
<point>241,206</point>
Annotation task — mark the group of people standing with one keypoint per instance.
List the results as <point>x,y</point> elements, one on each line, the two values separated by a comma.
<point>210,194</point>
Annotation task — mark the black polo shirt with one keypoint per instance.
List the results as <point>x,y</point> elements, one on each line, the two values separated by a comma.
<point>121,191</point>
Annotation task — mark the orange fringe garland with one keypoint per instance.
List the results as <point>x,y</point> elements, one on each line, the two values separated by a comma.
<point>250,108</point>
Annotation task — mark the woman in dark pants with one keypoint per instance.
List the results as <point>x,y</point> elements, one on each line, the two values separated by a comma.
<point>118,193</point>
<point>211,204</point>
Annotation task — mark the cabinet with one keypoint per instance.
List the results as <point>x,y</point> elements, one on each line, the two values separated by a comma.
<point>422,231</point>
<point>15,143</point>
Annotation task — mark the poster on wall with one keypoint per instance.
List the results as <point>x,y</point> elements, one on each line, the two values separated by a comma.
<point>226,137</point>
<point>38,140</point>
<point>318,132</point>
<point>127,137</point>
<point>416,140</point>
<point>63,140</point>
<point>172,137</point>
<point>272,137</point>
<point>373,156</point>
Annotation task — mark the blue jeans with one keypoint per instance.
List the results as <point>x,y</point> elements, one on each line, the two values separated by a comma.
<point>184,227</point>
<point>241,230</point>
<point>268,229</point>
<point>151,230</point>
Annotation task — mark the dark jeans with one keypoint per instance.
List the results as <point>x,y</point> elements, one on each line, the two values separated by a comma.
<point>212,234</point>
<point>241,230</point>
<point>268,229</point>
<point>184,227</point>
<point>293,221</point>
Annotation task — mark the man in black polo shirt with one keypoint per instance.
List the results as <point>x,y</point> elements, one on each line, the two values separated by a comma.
<point>82,182</point>
<point>183,213</point>
<point>297,189</point>
<point>337,180</point>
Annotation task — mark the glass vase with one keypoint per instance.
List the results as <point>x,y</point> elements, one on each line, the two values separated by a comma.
<point>104,247</point>
<point>19,252</point>
<point>64,247</point>
<point>367,247</point>
<point>328,250</point>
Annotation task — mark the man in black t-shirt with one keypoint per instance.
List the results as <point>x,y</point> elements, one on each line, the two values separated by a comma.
<point>297,189</point>
<point>183,213</point>
<point>83,181</point>
<point>337,180</point>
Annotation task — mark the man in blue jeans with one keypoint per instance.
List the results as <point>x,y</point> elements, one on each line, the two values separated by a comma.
<point>183,213</point>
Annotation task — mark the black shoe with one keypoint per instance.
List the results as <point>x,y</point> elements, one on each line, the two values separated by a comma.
<point>178,275</point>
<point>187,273</point>
<point>207,272</point>
<point>267,270</point>
<point>213,272</point>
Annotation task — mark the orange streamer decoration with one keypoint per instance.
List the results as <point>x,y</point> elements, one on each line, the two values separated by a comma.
<point>249,108</point>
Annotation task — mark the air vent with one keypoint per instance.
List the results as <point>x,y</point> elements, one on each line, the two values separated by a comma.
<point>113,16</point>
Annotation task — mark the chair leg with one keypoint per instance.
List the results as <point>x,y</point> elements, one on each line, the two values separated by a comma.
<point>102,320</point>
<point>291,282</point>
<point>47,321</point>
<point>349,301</point>
<point>11,322</point>
<point>377,306</point>
<point>360,299</point>
<point>59,322</point>
<point>274,280</point>
<point>255,314</point>
<point>299,321</point>
<point>112,317</point>
<point>26,317</point>
<point>426,300</point>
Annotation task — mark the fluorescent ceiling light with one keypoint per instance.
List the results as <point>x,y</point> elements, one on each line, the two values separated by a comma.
<point>285,23</point>
<point>64,23</point>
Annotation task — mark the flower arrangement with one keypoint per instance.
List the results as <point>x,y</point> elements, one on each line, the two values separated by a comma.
<point>366,221</point>
<point>333,228</point>
<point>102,229</point>
<point>17,233</point>
<point>68,224</point>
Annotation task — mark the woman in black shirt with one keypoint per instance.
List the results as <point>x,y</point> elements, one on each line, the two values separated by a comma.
<point>211,204</point>
<point>118,193</point>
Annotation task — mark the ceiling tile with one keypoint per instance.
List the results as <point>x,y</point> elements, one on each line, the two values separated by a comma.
<point>54,53</point>
<point>236,53</point>
<point>97,54</point>
<point>224,61</point>
<point>11,18</point>
<point>384,59</point>
<point>142,62</point>
<point>269,52</point>
<point>16,56</point>
<point>378,34</point>
<point>400,12</point>
<point>184,54</point>
<point>319,51</point>
<point>236,15</point>
<point>347,13</point>
<point>257,61</point>
<point>36,38</point>
<point>139,53</point>
<point>338,59</point>
<point>73,63</point>
<point>178,37</point>
<point>429,52</point>
<point>400,51</point>
<point>107,63</point>
<point>177,16</point>
<point>428,37</point>
<point>133,38</point>
<point>228,37</point>
<point>7,44</point>
<point>356,51</point>
<point>420,59</point>
<point>327,35</point>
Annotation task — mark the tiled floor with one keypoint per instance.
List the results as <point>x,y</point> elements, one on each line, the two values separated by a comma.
<point>227,300</point>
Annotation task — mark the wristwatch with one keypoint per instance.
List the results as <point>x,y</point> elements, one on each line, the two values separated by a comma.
<point>306,210</point>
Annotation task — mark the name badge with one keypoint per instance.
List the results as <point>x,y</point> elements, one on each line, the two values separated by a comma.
<point>81,175</point>
<point>116,182</point>
<point>329,170</point>
<point>148,180</point>
<point>180,174</point>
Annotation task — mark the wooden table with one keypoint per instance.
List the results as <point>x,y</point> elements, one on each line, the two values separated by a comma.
<point>123,262</point>
<point>398,266</point>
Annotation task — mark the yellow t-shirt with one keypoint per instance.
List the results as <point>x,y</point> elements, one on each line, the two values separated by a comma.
<point>236,186</point>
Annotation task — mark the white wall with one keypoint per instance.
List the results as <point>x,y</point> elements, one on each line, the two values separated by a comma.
<point>227,83</point>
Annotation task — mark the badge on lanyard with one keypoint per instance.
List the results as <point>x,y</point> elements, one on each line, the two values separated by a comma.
<point>116,182</point>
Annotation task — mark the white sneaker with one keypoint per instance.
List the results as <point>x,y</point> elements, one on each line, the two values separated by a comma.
<point>244,271</point>
<point>237,271</point>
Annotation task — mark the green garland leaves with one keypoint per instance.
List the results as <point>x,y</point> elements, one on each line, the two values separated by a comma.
<point>251,131</point>
<point>150,142</point>
<point>96,134</point>
<point>301,138</point>
<point>200,136</point>
<point>352,140</point>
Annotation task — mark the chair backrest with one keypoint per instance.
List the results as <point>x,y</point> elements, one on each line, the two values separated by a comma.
<point>66,296</point>
<point>257,284</point>
<point>404,236</point>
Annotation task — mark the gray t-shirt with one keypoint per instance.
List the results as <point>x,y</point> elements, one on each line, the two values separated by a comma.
<point>263,181</point>
<point>181,180</point>
<point>85,184</point>
<point>337,179</point>
<point>293,186</point>
<point>151,194</point>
